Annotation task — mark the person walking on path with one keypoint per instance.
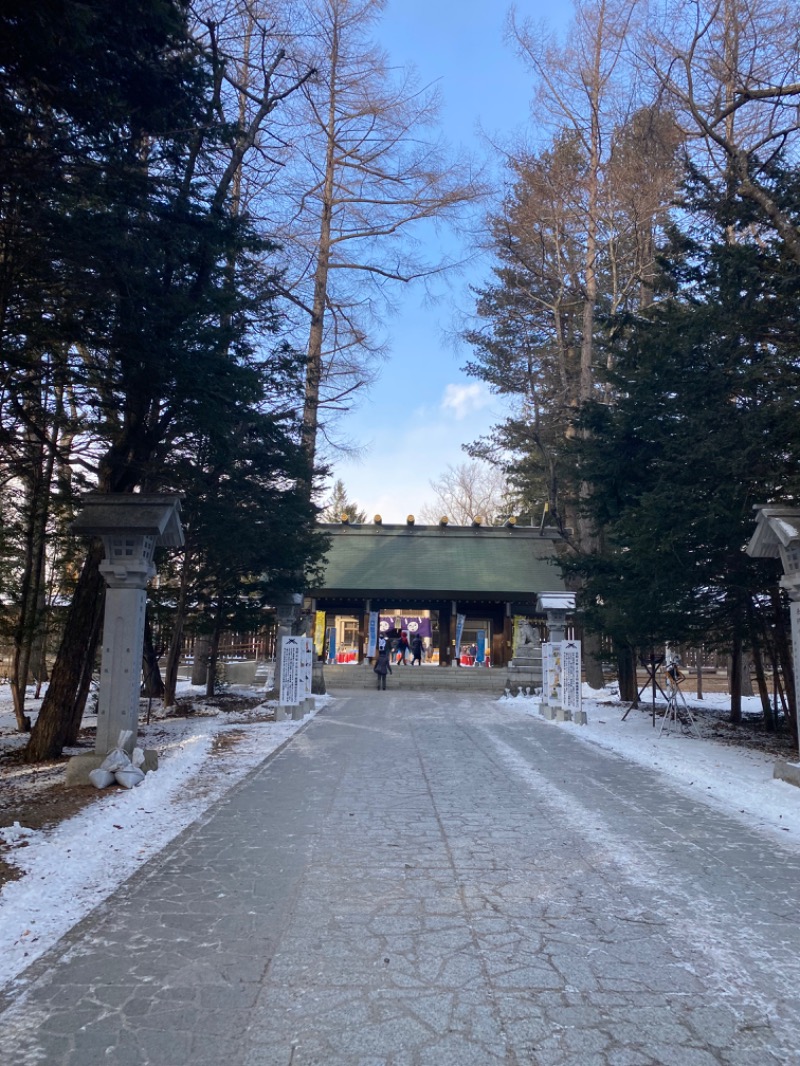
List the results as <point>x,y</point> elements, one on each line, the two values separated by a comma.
<point>382,667</point>
<point>416,649</point>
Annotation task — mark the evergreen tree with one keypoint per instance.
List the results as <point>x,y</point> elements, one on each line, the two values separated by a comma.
<point>85,92</point>
<point>249,533</point>
<point>703,428</point>
<point>527,339</point>
<point>530,321</point>
<point>156,305</point>
<point>338,504</point>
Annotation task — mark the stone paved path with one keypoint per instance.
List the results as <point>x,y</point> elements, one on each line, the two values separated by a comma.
<point>423,880</point>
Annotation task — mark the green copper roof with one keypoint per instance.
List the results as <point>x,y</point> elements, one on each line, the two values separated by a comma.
<point>451,562</point>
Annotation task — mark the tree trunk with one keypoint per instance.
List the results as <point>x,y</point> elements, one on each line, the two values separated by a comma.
<point>38,482</point>
<point>200,664</point>
<point>176,643</point>
<point>213,653</point>
<point>591,647</point>
<point>763,648</point>
<point>173,662</point>
<point>38,666</point>
<point>780,700</point>
<point>747,677</point>
<point>65,698</point>
<point>783,654</point>
<point>73,723</point>
<point>152,683</point>
<point>626,671</point>
<point>18,679</point>
<point>763,690</point>
<point>735,668</point>
<point>316,332</point>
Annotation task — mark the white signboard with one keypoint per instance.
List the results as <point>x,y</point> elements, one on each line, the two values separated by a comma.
<point>571,675</point>
<point>291,687</point>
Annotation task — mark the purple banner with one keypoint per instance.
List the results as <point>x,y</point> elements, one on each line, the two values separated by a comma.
<point>410,624</point>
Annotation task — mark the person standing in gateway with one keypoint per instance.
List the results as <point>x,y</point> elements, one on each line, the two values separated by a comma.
<point>416,649</point>
<point>382,667</point>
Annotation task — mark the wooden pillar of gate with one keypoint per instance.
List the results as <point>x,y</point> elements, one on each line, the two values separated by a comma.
<point>445,634</point>
<point>363,630</point>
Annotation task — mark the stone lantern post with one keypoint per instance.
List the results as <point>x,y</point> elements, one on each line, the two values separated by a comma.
<point>131,528</point>
<point>777,535</point>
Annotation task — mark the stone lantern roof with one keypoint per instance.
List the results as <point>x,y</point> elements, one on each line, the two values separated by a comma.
<point>132,514</point>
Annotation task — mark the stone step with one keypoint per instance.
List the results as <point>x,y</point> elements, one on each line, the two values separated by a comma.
<point>432,678</point>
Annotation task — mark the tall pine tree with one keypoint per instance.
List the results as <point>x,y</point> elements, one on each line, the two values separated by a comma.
<point>703,428</point>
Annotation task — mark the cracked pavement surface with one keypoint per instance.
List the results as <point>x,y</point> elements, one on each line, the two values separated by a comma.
<point>422,879</point>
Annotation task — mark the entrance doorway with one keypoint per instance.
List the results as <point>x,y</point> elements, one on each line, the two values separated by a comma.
<point>394,623</point>
<point>481,644</point>
<point>476,642</point>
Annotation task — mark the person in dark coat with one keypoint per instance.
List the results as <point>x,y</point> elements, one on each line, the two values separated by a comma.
<point>382,667</point>
<point>416,649</point>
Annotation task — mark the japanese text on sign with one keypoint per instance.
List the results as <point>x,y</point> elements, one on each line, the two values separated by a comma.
<point>571,675</point>
<point>292,679</point>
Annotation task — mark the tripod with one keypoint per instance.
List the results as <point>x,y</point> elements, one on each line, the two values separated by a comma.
<point>678,716</point>
<point>651,665</point>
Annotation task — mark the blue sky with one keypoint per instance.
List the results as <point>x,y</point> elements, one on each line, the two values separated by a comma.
<point>423,408</point>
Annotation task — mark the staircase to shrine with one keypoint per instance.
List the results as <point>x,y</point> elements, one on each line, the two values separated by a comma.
<point>341,678</point>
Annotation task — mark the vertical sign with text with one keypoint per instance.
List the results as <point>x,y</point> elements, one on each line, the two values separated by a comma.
<point>291,671</point>
<point>546,671</point>
<point>555,675</point>
<point>372,634</point>
<point>308,665</point>
<point>460,619</point>
<point>571,675</point>
<point>480,647</point>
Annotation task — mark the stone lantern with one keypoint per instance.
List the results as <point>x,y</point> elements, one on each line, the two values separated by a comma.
<point>556,605</point>
<point>131,528</point>
<point>777,535</point>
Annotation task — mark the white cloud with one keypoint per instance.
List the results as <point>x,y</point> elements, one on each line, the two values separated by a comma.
<point>463,400</point>
<point>411,445</point>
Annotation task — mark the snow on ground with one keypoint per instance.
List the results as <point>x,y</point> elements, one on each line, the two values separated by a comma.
<point>67,870</point>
